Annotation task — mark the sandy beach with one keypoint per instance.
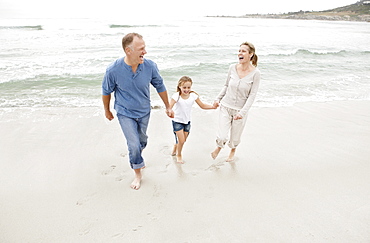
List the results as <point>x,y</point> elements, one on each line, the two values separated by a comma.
<point>301,174</point>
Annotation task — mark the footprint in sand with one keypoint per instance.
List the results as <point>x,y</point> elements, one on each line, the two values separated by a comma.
<point>137,228</point>
<point>118,235</point>
<point>86,230</point>
<point>110,170</point>
<point>156,192</point>
<point>215,167</point>
<point>151,216</point>
<point>165,150</point>
<point>123,154</point>
<point>85,199</point>
<point>120,178</point>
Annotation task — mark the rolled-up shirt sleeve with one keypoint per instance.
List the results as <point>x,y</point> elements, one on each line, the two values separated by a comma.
<point>108,84</point>
<point>157,80</point>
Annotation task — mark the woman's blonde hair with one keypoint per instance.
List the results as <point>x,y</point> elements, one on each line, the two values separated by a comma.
<point>252,49</point>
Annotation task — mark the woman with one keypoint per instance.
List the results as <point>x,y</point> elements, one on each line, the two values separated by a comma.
<point>236,98</point>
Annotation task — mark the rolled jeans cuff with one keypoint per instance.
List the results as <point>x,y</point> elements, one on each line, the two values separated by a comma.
<point>137,166</point>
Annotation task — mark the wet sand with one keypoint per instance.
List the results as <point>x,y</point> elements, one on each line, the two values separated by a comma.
<point>301,174</point>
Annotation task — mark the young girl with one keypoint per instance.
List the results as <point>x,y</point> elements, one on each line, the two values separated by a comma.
<point>182,102</point>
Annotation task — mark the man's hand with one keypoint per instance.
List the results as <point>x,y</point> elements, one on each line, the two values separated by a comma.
<point>109,115</point>
<point>106,102</point>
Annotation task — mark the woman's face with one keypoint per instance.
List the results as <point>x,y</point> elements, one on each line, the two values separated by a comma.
<point>244,54</point>
<point>185,87</point>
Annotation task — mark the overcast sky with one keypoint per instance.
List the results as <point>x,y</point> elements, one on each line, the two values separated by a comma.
<point>152,8</point>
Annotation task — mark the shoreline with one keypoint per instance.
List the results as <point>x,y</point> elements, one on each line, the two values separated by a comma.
<point>300,174</point>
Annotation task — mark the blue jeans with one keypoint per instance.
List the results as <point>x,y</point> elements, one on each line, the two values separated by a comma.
<point>134,130</point>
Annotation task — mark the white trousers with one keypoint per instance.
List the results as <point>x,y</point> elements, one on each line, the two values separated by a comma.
<point>229,129</point>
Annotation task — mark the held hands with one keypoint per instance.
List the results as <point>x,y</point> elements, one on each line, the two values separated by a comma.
<point>170,113</point>
<point>215,105</point>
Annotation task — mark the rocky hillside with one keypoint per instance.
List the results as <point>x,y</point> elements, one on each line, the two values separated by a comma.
<point>359,11</point>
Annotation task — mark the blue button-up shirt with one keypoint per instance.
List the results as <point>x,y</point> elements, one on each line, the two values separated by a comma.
<point>132,90</point>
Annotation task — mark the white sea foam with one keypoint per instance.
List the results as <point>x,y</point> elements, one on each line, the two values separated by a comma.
<point>56,62</point>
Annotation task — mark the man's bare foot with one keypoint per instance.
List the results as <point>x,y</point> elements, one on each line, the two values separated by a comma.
<point>179,159</point>
<point>231,155</point>
<point>174,150</point>
<point>136,183</point>
<point>215,153</point>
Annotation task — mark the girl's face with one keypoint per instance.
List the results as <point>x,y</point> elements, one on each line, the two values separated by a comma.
<point>244,55</point>
<point>185,87</point>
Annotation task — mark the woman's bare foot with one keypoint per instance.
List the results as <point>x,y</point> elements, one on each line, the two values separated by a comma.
<point>179,159</point>
<point>231,155</point>
<point>215,153</point>
<point>174,150</point>
<point>136,183</point>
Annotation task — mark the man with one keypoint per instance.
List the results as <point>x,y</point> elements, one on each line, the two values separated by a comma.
<point>129,78</point>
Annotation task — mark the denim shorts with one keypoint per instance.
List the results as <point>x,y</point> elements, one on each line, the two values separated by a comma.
<point>180,126</point>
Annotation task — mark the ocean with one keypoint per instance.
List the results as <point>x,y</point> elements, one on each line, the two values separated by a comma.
<point>60,63</point>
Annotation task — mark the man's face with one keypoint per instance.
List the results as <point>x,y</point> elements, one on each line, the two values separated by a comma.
<point>137,51</point>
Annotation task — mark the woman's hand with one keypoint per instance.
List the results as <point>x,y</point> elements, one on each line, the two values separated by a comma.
<point>238,117</point>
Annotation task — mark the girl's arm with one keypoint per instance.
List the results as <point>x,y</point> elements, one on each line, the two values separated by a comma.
<point>172,103</point>
<point>205,106</point>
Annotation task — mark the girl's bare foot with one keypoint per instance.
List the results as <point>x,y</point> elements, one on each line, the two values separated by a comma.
<point>215,153</point>
<point>136,183</point>
<point>231,155</point>
<point>179,159</point>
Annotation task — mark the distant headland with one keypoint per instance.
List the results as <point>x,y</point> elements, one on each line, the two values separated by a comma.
<point>359,11</point>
